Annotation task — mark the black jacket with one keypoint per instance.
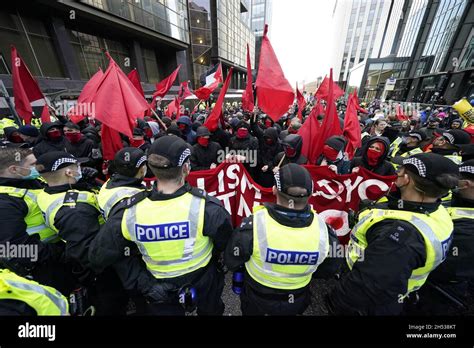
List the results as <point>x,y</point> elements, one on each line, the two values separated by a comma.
<point>383,166</point>
<point>242,239</point>
<point>296,143</point>
<point>81,149</point>
<point>203,157</point>
<point>108,246</point>
<point>375,286</point>
<point>45,145</point>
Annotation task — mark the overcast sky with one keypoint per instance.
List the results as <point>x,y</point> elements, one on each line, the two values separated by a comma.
<point>301,36</point>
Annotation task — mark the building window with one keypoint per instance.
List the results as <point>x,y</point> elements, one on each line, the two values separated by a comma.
<point>151,65</point>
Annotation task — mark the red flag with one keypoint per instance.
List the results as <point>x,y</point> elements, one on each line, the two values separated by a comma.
<point>84,106</point>
<point>274,92</point>
<point>214,80</point>
<point>165,85</point>
<point>301,102</point>
<point>117,102</point>
<point>111,142</point>
<point>323,90</point>
<point>25,87</point>
<point>309,131</point>
<point>399,113</point>
<point>135,78</point>
<point>357,104</point>
<point>213,119</point>
<point>247,96</point>
<point>330,124</point>
<point>173,107</point>
<point>352,130</point>
<point>45,116</point>
<point>184,91</point>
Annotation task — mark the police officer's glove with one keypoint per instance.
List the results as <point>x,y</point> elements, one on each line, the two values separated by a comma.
<point>220,265</point>
<point>89,174</point>
<point>162,293</point>
<point>351,218</point>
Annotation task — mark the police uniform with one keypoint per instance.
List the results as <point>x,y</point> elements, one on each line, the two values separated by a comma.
<point>279,249</point>
<point>6,122</point>
<point>176,237</point>
<point>456,138</point>
<point>123,183</point>
<point>451,289</point>
<point>73,213</point>
<point>21,296</point>
<point>393,248</point>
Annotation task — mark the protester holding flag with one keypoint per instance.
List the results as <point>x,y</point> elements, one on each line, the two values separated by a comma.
<point>333,155</point>
<point>292,145</point>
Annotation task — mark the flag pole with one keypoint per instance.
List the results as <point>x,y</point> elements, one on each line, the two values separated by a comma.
<point>281,161</point>
<point>255,112</point>
<point>159,119</point>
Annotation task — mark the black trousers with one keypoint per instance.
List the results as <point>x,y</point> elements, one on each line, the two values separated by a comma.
<point>208,286</point>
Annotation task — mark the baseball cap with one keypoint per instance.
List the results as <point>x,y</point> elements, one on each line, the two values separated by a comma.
<point>430,166</point>
<point>293,175</point>
<point>172,148</point>
<point>29,131</point>
<point>467,168</point>
<point>55,160</point>
<point>420,135</point>
<point>128,160</point>
<point>457,137</point>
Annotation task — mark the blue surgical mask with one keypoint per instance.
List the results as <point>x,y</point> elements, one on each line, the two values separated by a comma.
<point>34,174</point>
<point>79,175</point>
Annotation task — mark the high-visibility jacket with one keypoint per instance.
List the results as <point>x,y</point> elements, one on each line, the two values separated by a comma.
<point>286,257</point>
<point>6,122</point>
<point>455,158</point>
<point>108,198</point>
<point>51,203</point>
<point>436,229</point>
<point>36,122</point>
<point>43,299</point>
<point>34,219</point>
<point>169,234</point>
<point>461,213</point>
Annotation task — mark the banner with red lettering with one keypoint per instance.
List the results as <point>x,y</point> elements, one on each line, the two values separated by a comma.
<point>333,196</point>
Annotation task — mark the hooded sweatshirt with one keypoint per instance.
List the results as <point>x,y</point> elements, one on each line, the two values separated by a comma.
<point>46,145</point>
<point>383,166</point>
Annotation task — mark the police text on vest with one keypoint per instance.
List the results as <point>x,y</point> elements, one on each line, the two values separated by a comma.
<point>283,257</point>
<point>162,232</point>
<point>37,331</point>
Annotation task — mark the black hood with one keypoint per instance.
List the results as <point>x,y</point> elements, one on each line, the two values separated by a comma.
<point>8,131</point>
<point>271,133</point>
<point>45,127</point>
<point>295,141</point>
<point>372,140</point>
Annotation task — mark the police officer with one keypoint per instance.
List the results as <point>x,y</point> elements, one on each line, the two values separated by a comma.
<point>129,168</point>
<point>408,145</point>
<point>21,296</point>
<point>280,246</point>
<point>179,232</point>
<point>451,285</point>
<point>449,144</point>
<point>72,211</point>
<point>395,245</point>
<point>22,221</point>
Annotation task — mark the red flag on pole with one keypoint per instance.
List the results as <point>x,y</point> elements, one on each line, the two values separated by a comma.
<point>323,90</point>
<point>117,102</point>
<point>111,142</point>
<point>400,114</point>
<point>212,82</point>
<point>309,131</point>
<point>173,107</point>
<point>165,85</point>
<point>274,92</point>
<point>45,116</point>
<point>330,124</point>
<point>247,96</point>
<point>184,91</point>
<point>135,78</point>
<point>25,87</point>
<point>352,130</point>
<point>301,102</point>
<point>83,107</point>
<point>357,104</point>
<point>212,120</point>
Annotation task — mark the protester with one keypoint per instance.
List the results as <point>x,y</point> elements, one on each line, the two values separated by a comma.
<point>374,157</point>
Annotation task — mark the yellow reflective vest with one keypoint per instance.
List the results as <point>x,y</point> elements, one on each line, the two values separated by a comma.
<point>169,234</point>
<point>461,213</point>
<point>285,257</point>
<point>6,122</point>
<point>43,299</point>
<point>51,203</point>
<point>34,219</point>
<point>436,229</point>
<point>108,198</point>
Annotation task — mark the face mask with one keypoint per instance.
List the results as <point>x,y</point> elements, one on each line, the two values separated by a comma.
<point>373,157</point>
<point>74,138</point>
<point>15,138</point>
<point>34,174</point>
<point>203,141</point>
<point>136,143</point>
<point>182,126</point>
<point>54,135</point>
<point>269,141</point>
<point>78,176</point>
<point>149,133</point>
<point>291,130</point>
<point>242,133</point>
<point>290,152</point>
<point>330,153</point>
<point>268,123</point>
